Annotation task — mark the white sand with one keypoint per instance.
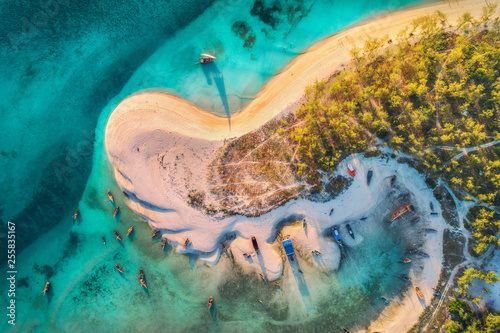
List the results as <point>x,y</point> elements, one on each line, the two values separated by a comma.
<point>159,146</point>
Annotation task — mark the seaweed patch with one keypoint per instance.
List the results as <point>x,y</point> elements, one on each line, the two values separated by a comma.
<point>245,32</point>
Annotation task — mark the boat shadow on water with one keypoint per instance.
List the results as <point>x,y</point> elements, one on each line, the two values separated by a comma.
<point>212,73</point>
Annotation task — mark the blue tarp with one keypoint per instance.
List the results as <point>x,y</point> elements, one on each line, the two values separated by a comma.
<point>287,244</point>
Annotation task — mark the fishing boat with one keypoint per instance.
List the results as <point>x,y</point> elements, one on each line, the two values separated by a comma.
<point>423,254</point>
<point>419,293</point>
<point>304,224</point>
<point>117,210</point>
<point>260,301</point>
<point>110,196</point>
<point>405,278</point>
<point>369,177</point>
<point>255,245</point>
<point>141,278</point>
<point>345,330</point>
<point>415,219</point>
<point>77,213</point>
<point>405,260</point>
<point>432,205</point>
<point>119,268</point>
<point>337,236</point>
<point>103,240</point>
<point>434,214</point>
<point>331,211</point>
<point>412,250</point>
<point>155,233</point>
<point>349,229</point>
<point>206,58</point>
<point>163,243</point>
<point>129,231</point>
<point>210,302</point>
<point>386,301</point>
<point>351,170</point>
<point>117,235</point>
<point>430,230</point>
<point>46,288</point>
<point>186,243</point>
<point>401,211</point>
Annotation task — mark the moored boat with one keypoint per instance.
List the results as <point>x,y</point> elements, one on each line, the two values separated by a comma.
<point>405,260</point>
<point>423,254</point>
<point>77,213</point>
<point>141,278</point>
<point>155,233</point>
<point>430,230</point>
<point>349,229</point>
<point>419,293</point>
<point>206,58</point>
<point>117,210</point>
<point>351,170</point>
<point>110,196</point>
<point>415,219</point>
<point>412,250</point>
<point>129,231</point>
<point>186,243</point>
<point>255,245</point>
<point>210,302</point>
<point>386,301</point>
<point>369,177</point>
<point>163,243</point>
<point>336,234</point>
<point>46,288</point>
<point>103,240</point>
<point>119,268</point>
<point>401,211</point>
<point>117,235</point>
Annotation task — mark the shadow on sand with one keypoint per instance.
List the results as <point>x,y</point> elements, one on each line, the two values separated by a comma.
<point>301,282</point>
<point>212,73</point>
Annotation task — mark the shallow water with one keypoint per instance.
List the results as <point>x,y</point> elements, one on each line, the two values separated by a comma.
<point>60,76</point>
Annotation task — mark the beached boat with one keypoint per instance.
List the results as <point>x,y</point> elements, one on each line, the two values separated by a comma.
<point>351,170</point>
<point>141,278</point>
<point>411,250</point>
<point>419,293</point>
<point>103,240</point>
<point>129,231</point>
<point>405,260</point>
<point>210,302</point>
<point>155,233</point>
<point>349,229</point>
<point>119,268</point>
<point>46,288</point>
<point>401,211</point>
<point>331,212</point>
<point>423,254</point>
<point>163,243</point>
<point>431,205</point>
<point>369,177</point>
<point>336,234</point>
<point>304,224</point>
<point>260,301</point>
<point>206,58</point>
<point>117,210</point>
<point>345,330</point>
<point>117,235</point>
<point>186,243</point>
<point>415,219</point>
<point>386,301</point>
<point>255,245</point>
<point>77,213</point>
<point>405,278</point>
<point>110,196</point>
<point>392,180</point>
<point>430,230</point>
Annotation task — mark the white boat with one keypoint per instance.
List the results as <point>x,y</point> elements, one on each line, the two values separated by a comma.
<point>206,58</point>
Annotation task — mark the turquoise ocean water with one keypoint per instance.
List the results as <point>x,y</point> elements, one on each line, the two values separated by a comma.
<point>65,65</point>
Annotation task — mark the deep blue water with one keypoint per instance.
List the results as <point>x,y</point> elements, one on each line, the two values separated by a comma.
<point>64,65</point>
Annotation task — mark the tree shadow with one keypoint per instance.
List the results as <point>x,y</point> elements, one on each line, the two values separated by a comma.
<point>212,73</point>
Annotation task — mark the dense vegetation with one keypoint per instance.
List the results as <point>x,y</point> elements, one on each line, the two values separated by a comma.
<point>466,321</point>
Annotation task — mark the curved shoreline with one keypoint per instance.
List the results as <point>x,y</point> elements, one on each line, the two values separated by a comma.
<point>149,124</point>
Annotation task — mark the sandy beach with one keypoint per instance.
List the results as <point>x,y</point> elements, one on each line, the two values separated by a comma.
<point>160,147</point>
